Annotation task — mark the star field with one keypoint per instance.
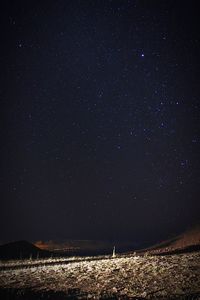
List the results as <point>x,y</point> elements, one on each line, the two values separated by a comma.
<point>100,114</point>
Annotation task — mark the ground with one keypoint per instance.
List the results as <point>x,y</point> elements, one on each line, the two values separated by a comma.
<point>123,277</point>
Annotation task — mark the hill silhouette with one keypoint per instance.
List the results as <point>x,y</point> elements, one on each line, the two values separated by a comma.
<point>189,241</point>
<point>21,250</point>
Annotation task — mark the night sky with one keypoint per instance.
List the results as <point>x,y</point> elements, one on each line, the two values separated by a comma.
<point>100,119</point>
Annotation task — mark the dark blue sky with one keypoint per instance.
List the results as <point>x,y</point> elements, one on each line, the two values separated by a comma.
<point>100,119</point>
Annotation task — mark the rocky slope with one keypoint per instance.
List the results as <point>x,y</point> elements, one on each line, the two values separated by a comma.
<point>189,241</point>
<point>125,277</point>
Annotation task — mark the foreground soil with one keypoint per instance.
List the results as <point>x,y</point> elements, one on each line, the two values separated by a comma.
<point>125,277</point>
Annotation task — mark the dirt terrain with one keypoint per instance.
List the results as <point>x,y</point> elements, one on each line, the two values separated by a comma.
<point>123,277</point>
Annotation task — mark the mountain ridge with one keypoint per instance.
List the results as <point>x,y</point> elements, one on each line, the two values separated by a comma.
<point>21,250</point>
<point>188,241</point>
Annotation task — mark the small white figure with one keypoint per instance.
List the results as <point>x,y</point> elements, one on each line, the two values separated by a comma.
<point>114,255</point>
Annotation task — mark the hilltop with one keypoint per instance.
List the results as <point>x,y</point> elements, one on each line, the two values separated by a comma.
<point>189,241</point>
<point>21,250</point>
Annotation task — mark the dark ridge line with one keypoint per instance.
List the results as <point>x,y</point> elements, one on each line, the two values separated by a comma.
<point>189,249</point>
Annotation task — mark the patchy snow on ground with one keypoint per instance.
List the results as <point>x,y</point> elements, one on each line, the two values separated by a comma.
<point>123,276</point>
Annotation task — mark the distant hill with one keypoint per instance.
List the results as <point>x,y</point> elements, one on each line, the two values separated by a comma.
<point>21,250</point>
<point>186,242</point>
<point>84,247</point>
